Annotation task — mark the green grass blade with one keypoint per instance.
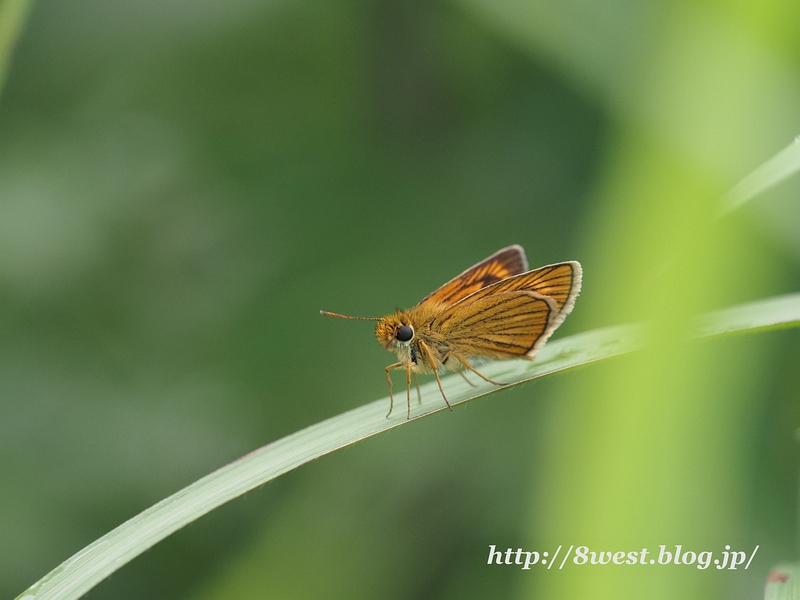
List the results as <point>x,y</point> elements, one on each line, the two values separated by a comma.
<point>781,166</point>
<point>13,14</point>
<point>80,573</point>
<point>774,313</point>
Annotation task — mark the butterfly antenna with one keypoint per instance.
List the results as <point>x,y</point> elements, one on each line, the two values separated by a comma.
<point>338,316</point>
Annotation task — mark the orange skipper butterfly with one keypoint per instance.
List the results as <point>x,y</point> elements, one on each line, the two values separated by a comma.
<point>496,309</point>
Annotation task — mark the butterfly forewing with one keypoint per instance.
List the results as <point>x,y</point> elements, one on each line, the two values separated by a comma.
<point>499,266</point>
<point>560,282</point>
<point>498,325</point>
<point>552,289</point>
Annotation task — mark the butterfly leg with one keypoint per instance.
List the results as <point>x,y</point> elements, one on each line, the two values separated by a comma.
<point>396,365</point>
<point>419,394</point>
<point>435,370</point>
<point>408,391</point>
<point>464,362</point>
<point>460,372</point>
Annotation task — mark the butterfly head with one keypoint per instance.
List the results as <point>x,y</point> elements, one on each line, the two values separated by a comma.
<point>394,331</point>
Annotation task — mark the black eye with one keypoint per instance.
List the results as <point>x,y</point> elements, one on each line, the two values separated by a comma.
<point>404,333</point>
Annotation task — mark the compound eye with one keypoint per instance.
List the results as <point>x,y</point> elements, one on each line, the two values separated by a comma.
<point>404,333</point>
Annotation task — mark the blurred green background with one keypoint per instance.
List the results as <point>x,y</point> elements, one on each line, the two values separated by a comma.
<point>183,187</point>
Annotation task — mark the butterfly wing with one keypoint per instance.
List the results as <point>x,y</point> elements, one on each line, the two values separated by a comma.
<point>553,286</point>
<point>561,282</point>
<point>500,265</point>
<point>502,325</point>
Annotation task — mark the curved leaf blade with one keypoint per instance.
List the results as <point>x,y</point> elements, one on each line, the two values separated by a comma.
<point>85,569</point>
<point>778,168</point>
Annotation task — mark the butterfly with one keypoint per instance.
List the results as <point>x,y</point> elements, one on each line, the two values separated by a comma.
<point>496,309</point>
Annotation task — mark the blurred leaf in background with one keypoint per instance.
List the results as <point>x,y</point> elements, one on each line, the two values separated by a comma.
<point>182,190</point>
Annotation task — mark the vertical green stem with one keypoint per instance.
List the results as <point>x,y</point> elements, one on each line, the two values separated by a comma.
<point>12,19</point>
